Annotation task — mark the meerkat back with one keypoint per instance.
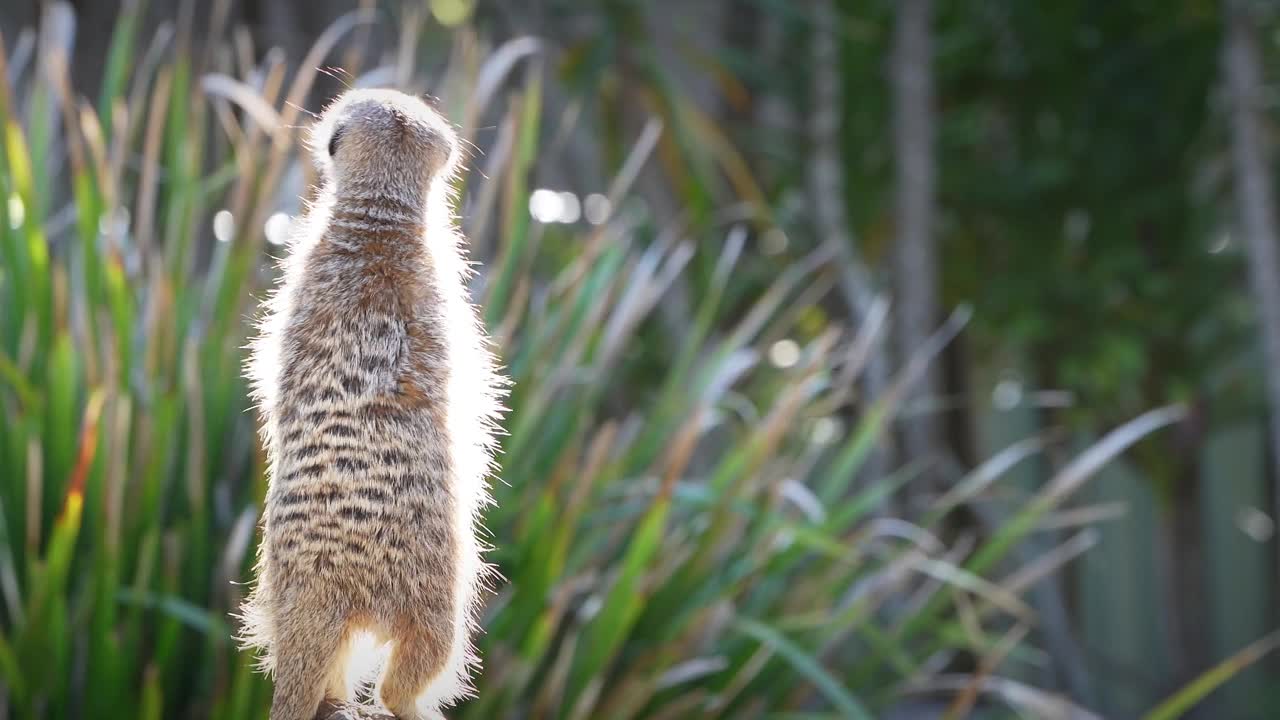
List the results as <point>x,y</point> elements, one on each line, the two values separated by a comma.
<point>378,398</point>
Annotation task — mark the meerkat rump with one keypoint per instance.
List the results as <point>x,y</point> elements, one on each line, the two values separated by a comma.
<point>378,399</point>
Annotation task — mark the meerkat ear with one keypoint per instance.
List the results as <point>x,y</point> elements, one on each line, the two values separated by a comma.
<point>333,140</point>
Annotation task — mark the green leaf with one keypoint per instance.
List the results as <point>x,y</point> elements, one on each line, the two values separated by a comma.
<point>804,664</point>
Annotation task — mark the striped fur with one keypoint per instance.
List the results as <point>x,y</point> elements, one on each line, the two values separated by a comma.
<point>378,398</point>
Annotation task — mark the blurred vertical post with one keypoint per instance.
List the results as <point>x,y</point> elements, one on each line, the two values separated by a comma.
<point>1255,203</point>
<point>831,219</point>
<point>915,269</point>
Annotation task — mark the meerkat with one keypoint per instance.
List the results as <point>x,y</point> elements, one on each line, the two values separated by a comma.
<point>379,400</point>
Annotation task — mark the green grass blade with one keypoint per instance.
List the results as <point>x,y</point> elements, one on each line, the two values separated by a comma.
<point>1215,677</point>
<point>806,666</point>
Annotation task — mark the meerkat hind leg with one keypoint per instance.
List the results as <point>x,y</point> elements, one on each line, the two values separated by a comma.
<point>418,657</point>
<point>306,653</point>
<point>336,686</point>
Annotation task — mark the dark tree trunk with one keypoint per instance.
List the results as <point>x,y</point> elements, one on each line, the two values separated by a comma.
<point>1173,462</point>
<point>915,268</point>
<point>827,198</point>
<point>1255,199</point>
<point>1183,569</point>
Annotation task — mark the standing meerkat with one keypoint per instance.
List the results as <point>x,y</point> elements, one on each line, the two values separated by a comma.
<point>378,399</point>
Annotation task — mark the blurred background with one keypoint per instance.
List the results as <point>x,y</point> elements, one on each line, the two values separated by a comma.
<point>902,359</point>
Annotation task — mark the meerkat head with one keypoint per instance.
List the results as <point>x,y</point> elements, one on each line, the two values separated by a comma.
<point>383,140</point>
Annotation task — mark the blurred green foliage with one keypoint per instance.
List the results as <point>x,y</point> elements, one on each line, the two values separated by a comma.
<point>682,525</point>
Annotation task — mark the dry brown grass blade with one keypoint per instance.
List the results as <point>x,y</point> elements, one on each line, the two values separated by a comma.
<point>987,473</point>
<point>148,184</point>
<point>1040,704</point>
<point>516,307</point>
<point>934,583</point>
<point>116,475</point>
<point>784,323</point>
<point>88,447</point>
<point>621,185</point>
<point>23,50</point>
<point>1049,562</point>
<point>486,201</point>
<point>1085,516</point>
<point>360,39</point>
<point>320,49</point>
<point>215,26</point>
<point>597,454</point>
<point>196,451</point>
<point>683,707</point>
<point>294,100</point>
<point>119,149</point>
<point>717,704</point>
<point>246,98</point>
<point>763,309</point>
<point>235,550</point>
<point>1104,451</point>
<point>410,28</point>
<point>964,702</point>
<point>924,355</point>
<point>649,281</point>
<point>864,343</point>
<point>90,130</point>
<point>146,69</point>
<point>681,452</point>
<point>568,364</point>
<point>491,76</point>
<point>35,492</point>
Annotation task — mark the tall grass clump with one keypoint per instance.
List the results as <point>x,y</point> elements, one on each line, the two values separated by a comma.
<point>679,526</point>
